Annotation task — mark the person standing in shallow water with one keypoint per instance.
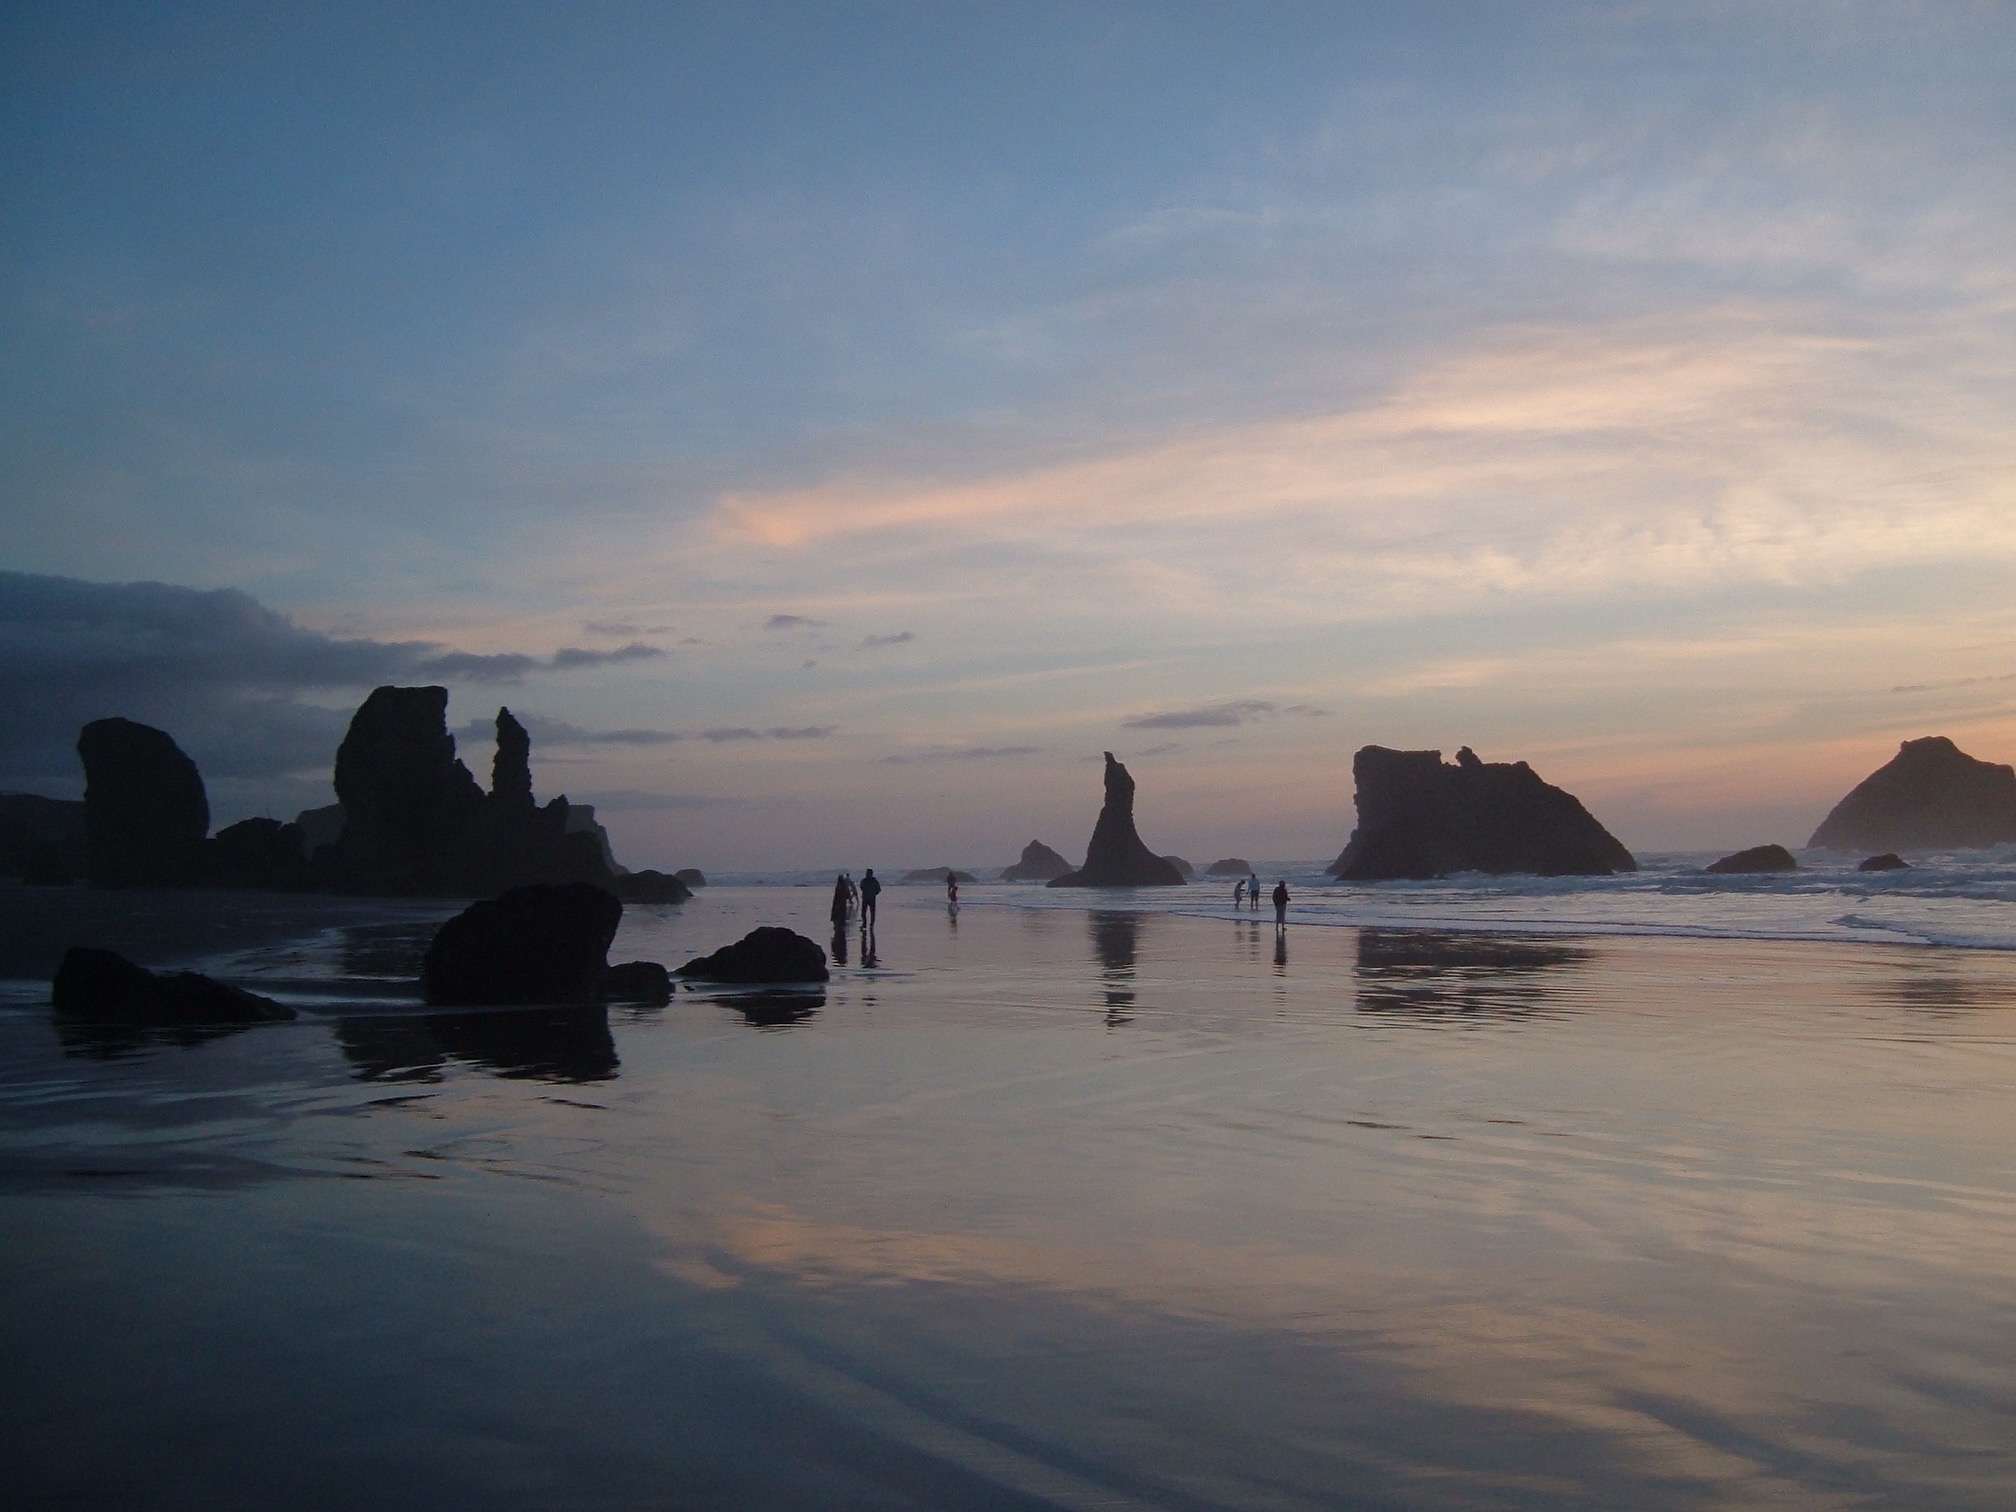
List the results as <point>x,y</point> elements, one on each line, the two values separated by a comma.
<point>952,889</point>
<point>1239,893</point>
<point>1253,889</point>
<point>842,902</point>
<point>871,889</point>
<point>1281,904</point>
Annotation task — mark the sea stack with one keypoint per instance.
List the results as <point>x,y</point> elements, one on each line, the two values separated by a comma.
<point>1931,796</point>
<point>146,816</point>
<point>1039,863</point>
<point>1116,857</point>
<point>1421,817</point>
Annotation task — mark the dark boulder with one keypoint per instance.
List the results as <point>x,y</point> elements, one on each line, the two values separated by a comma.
<point>102,984</point>
<point>1421,817</point>
<point>535,944</point>
<point>648,886</point>
<point>1116,857</point>
<point>1888,861</point>
<point>261,853</point>
<point>47,833</point>
<point>146,815</point>
<point>1039,863</point>
<point>1759,858</point>
<point>691,876</point>
<point>1231,866</point>
<point>768,954</point>
<point>1189,872</point>
<point>637,982</point>
<point>1930,796</point>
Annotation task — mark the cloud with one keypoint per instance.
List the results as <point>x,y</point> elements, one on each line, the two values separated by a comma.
<point>901,637</point>
<point>1236,712</point>
<point>624,799</point>
<point>1166,748</point>
<point>779,732</point>
<point>613,629</point>
<point>961,753</point>
<point>567,658</point>
<point>1957,682</point>
<point>792,622</point>
<point>558,732</point>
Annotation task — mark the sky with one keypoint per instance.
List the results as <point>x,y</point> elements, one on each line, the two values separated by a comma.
<point>832,426</point>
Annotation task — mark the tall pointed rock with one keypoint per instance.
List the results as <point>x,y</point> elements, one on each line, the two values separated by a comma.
<point>1116,857</point>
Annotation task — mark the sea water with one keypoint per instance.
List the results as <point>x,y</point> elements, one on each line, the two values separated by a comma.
<point>1639,1192</point>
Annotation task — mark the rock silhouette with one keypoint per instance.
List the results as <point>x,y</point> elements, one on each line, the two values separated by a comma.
<point>1888,861</point>
<point>1420,817</point>
<point>1189,872</point>
<point>1930,796</point>
<point>690,876</point>
<point>1039,863</point>
<point>511,768</point>
<point>262,853</point>
<point>1759,858</point>
<point>637,982</point>
<point>1116,857</point>
<point>649,886</point>
<point>1231,866</point>
<point>102,984</point>
<point>534,944</point>
<point>146,815</point>
<point>768,954</point>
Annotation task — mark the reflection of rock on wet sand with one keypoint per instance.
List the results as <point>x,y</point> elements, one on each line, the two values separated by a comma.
<point>775,1010</point>
<point>98,1039</point>
<point>1116,942</point>
<point>1426,975</point>
<point>521,1044</point>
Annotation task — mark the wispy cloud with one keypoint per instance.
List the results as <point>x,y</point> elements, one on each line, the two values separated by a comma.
<point>961,753</point>
<point>776,732</point>
<point>792,622</point>
<point>875,642</point>
<point>1237,712</point>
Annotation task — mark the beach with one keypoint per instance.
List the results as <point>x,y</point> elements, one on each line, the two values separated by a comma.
<point>1060,1204</point>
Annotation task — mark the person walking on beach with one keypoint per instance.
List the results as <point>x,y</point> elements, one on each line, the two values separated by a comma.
<point>1253,890</point>
<point>871,889</point>
<point>1281,904</point>
<point>1239,893</point>
<point>952,889</point>
<point>842,903</point>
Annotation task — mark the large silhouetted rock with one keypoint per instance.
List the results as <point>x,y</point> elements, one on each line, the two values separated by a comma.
<point>1419,816</point>
<point>649,886</point>
<point>146,815</point>
<point>1759,858</point>
<point>1116,857</point>
<point>415,822</point>
<point>1039,863</point>
<point>1231,866</point>
<point>102,984</point>
<point>637,982</point>
<point>691,876</point>
<point>768,954</point>
<point>538,944</point>
<point>1930,796</point>
<point>42,834</point>
<point>1888,861</point>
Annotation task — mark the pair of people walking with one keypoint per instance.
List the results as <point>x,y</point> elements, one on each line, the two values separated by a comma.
<point>849,896</point>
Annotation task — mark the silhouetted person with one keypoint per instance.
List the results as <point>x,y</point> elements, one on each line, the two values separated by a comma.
<point>871,889</point>
<point>951,889</point>
<point>1239,893</point>
<point>1281,904</point>
<point>842,904</point>
<point>1253,889</point>
<point>853,895</point>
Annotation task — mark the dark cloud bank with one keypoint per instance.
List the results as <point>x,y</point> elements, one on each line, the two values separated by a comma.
<point>253,697</point>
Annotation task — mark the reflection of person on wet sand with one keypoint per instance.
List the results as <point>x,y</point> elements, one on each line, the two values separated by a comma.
<point>839,945</point>
<point>871,889</point>
<point>1281,904</point>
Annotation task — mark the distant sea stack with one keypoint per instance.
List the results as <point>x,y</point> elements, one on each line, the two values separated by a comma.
<point>1931,796</point>
<point>1039,863</point>
<point>146,816</point>
<point>1421,817</point>
<point>1230,866</point>
<point>1116,857</point>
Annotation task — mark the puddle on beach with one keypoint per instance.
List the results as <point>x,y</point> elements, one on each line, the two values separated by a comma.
<point>1043,1208</point>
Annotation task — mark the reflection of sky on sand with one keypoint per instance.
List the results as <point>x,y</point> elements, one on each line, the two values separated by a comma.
<point>1407,1220</point>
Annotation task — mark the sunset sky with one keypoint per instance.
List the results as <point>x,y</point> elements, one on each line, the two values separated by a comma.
<point>833,426</point>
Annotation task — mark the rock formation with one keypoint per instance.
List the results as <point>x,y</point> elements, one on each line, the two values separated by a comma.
<point>768,954</point>
<point>691,876</point>
<point>637,982</point>
<point>535,944</point>
<point>1231,866</point>
<point>1116,857</point>
<point>102,984</point>
<point>1039,863</point>
<point>146,815</point>
<point>1930,796</point>
<point>415,821</point>
<point>46,834</point>
<point>649,886</point>
<point>1420,817</point>
<point>1759,858</point>
<point>1888,861</point>
<point>1189,872</point>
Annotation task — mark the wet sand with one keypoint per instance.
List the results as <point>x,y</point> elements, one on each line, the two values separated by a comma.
<point>1048,1208</point>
